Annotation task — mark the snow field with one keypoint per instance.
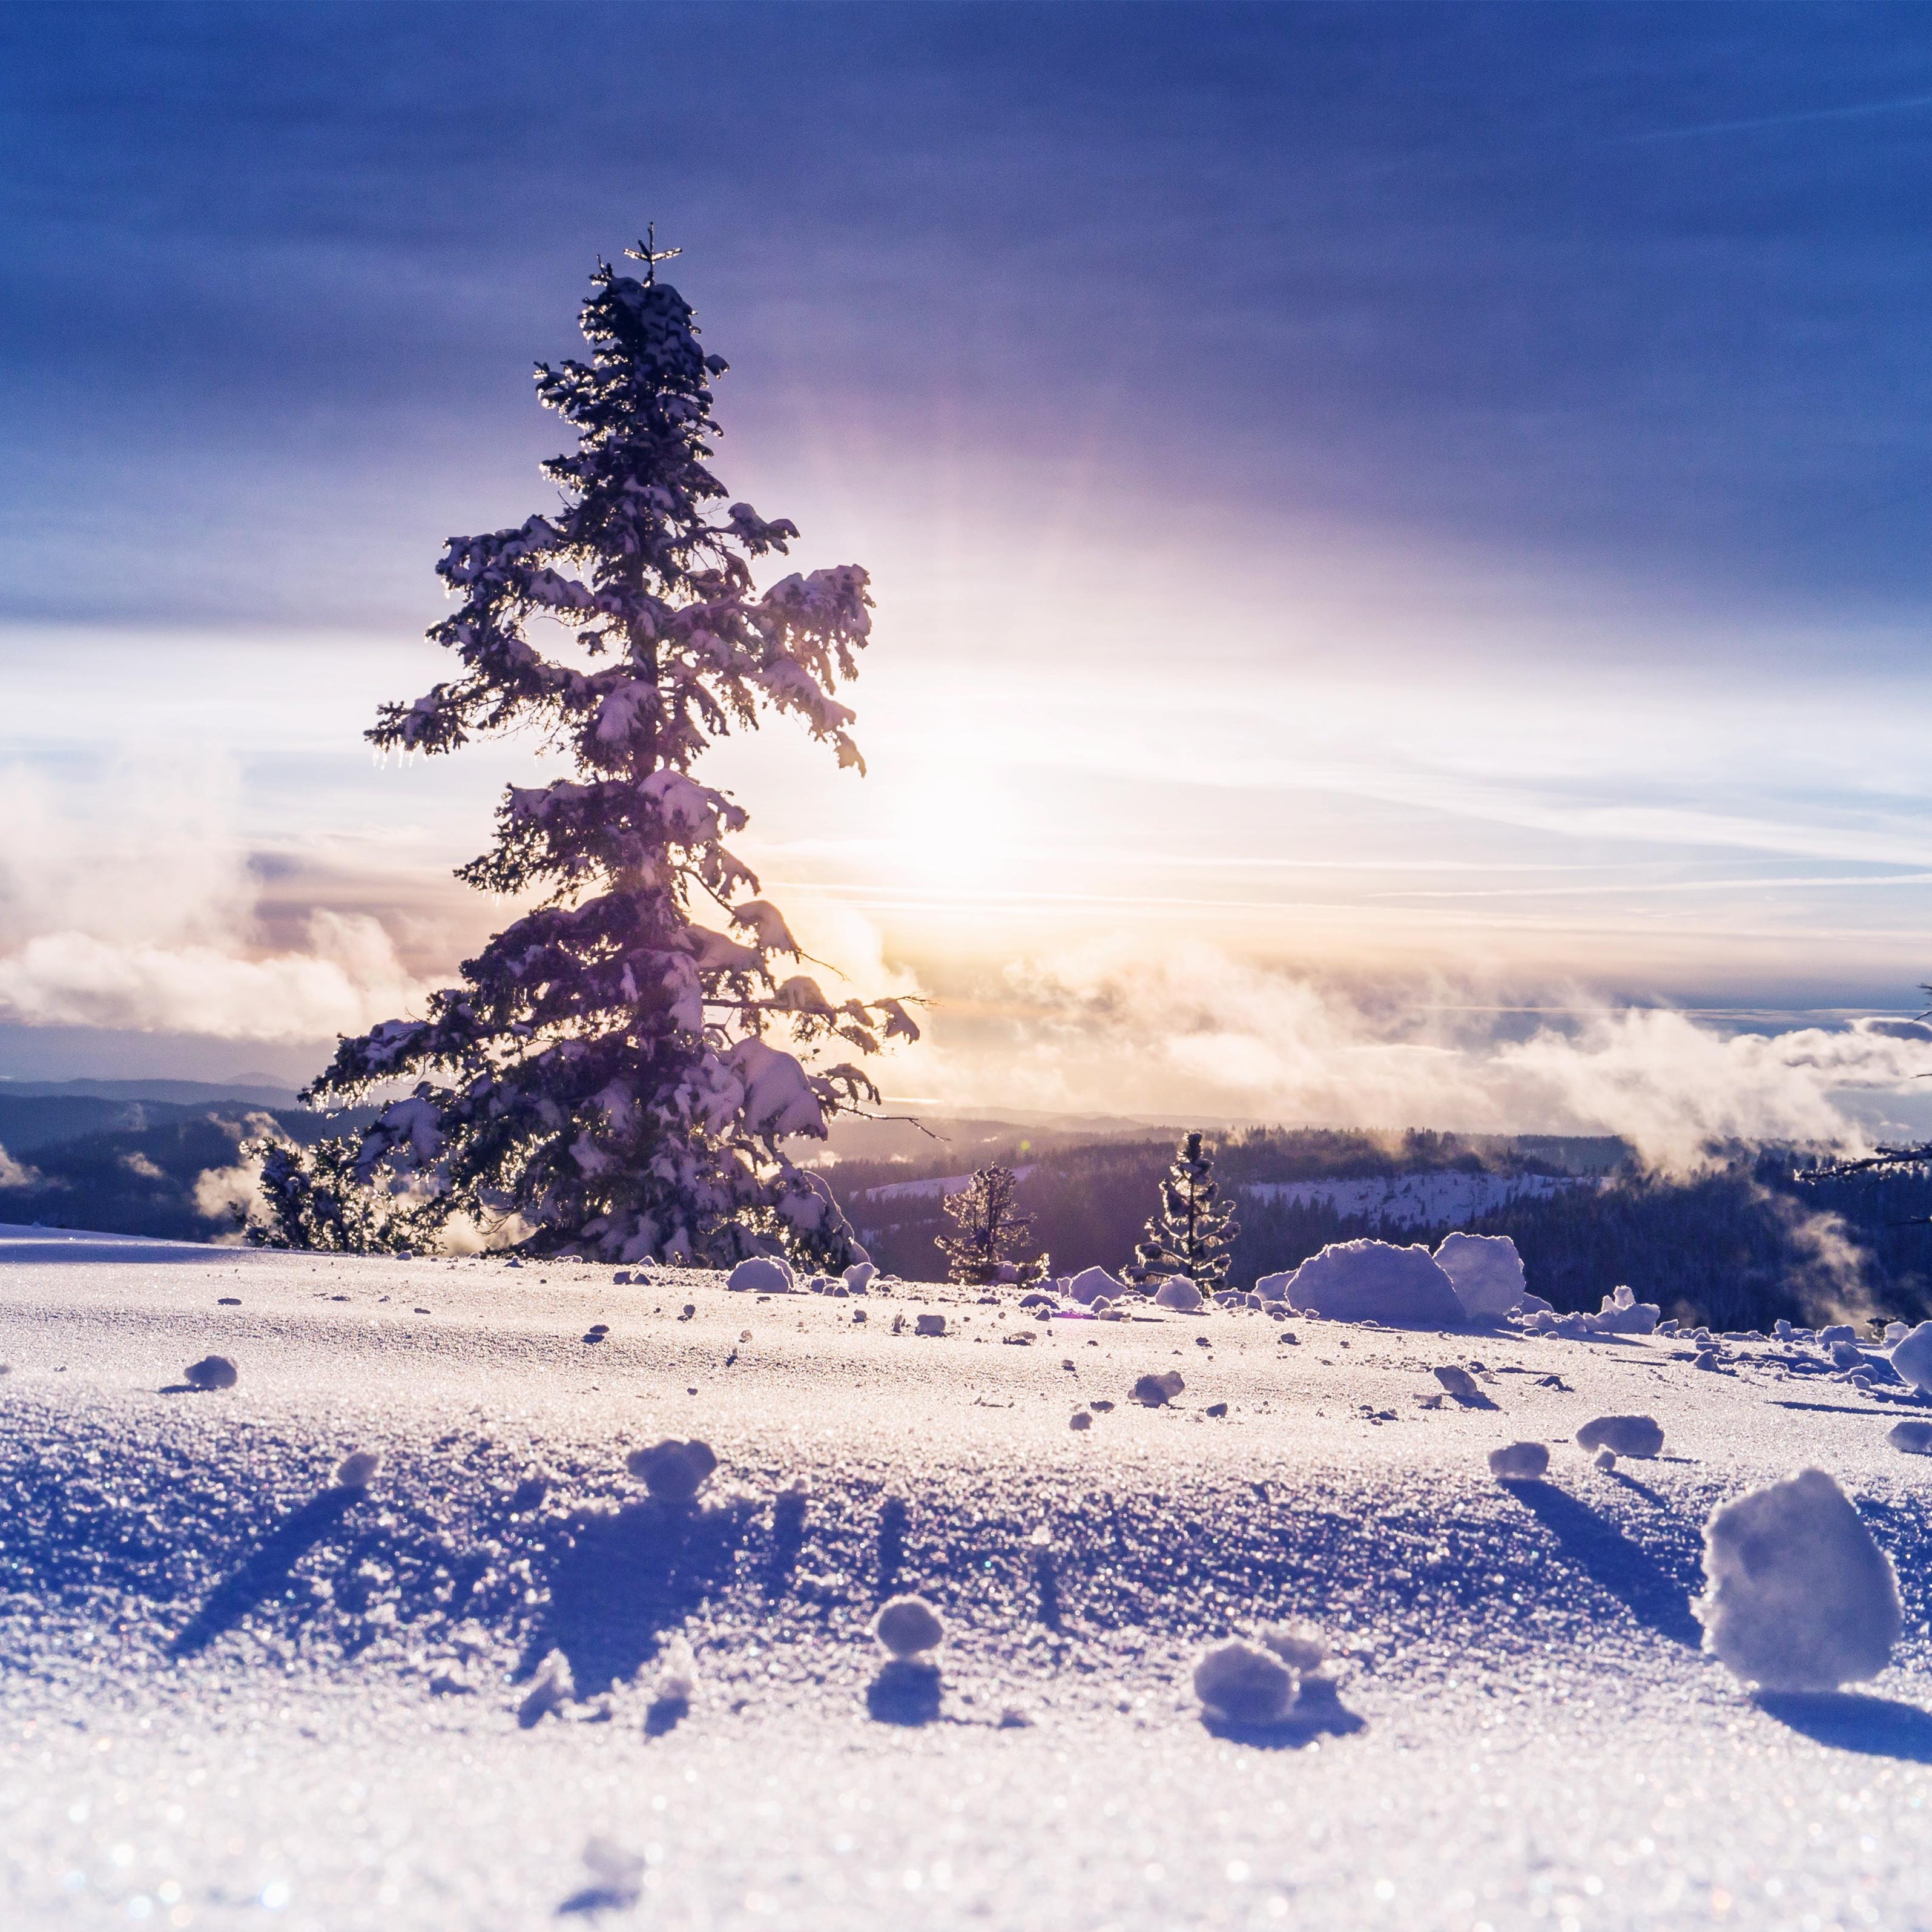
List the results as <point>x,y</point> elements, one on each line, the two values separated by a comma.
<point>193,1560</point>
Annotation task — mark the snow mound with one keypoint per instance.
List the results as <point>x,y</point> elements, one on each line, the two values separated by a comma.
<point>1274,1287</point>
<point>1090,1284</point>
<point>1152,1391</point>
<point>1485,1270</point>
<point>908,1626</point>
<point>1177,1292</point>
<point>356,1469</point>
<point>1799,1597</point>
<point>763,1274</point>
<point>1624,1435</point>
<point>1914,1438</point>
<point>1376,1281</point>
<point>1912,1356</point>
<point>860,1277</point>
<point>1245,1683</point>
<point>212,1372</point>
<point>1519,1462</point>
<point>673,1471</point>
<point>1623,1314</point>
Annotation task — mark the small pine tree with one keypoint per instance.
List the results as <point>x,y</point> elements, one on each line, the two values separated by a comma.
<point>605,1079</point>
<point>1193,1232</point>
<point>991,1231</point>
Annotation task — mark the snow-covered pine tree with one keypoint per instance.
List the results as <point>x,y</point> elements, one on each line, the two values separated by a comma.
<point>991,1231</point>
<point>612,1076</point>
<point>1193,1233</point>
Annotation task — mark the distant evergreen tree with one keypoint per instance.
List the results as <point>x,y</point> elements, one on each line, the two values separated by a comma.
<point>1193,1232</point>
<point>605,1078</point>
<point>991,1231</point>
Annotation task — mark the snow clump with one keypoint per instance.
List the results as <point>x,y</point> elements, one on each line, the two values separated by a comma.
<point>1485,1270</point>
<point>1177,1292</point>
<point>551,1688</point>
<point>356,1469</point>
<point>1519,1462</point>
<point>1151,1391</point>
<point>1376,1281</point>
<point>1912,1356</point>
<point>763,1274</point>
<point>860,1277</point>
<point>1623,1314</point>
<point>1799,1596</point>
<point>1090,1284</point>
<point>212,1372</point>
<point>673,1471</point>
<point>1914,1438</point>
<point>1274,1287</point>
<point>908,1626</point>
<point>1245,1683</point>
<point>676,1681</point>
<point>1458,1382</point>
<point>1625,1435</point>
<point>932,1324</point>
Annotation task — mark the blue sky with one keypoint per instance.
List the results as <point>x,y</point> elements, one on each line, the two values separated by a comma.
<point>1427,503</point>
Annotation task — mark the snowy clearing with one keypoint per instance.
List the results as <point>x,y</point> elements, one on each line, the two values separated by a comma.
<point>253,1675</point>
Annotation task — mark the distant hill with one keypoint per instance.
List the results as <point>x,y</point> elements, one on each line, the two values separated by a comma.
<point>257,1093</point>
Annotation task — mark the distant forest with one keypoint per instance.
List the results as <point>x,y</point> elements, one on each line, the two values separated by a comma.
<point>1737,1246</point>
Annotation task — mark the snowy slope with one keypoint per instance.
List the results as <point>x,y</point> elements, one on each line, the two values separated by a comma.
<point>1419,1200</point>
<point>237,1695</point>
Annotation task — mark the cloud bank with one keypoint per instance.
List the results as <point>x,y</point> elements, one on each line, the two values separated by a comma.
<point>1197,1029</point>
<point>138,915</point>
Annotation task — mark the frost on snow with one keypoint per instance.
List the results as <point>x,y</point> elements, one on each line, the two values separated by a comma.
<point>1486,1272</point>
<point>1799,1597</point>
<point>1519,1462</point>
<point>1177,1292</point>
<point>1376,1281</point>
<point>1912,1356</point>
<point>1624,1435</point>
<point>907,1626</point>
<point>673,1471</point>
<point>211,1372</point>
<point>356,1469</point>
<point>763,1274</point>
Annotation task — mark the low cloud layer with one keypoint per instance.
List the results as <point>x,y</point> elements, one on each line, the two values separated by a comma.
<point>133,909</point>
<point>348,976</point>
<point>1198,1030</point>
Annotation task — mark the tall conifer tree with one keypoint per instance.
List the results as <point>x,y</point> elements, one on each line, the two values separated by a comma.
<point>989,1231</point>
<point>1192,1232</point>
<point>613,1076</point>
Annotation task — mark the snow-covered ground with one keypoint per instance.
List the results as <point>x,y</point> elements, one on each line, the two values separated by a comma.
<point>238,1692</point>
<point>1418,1200</point>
